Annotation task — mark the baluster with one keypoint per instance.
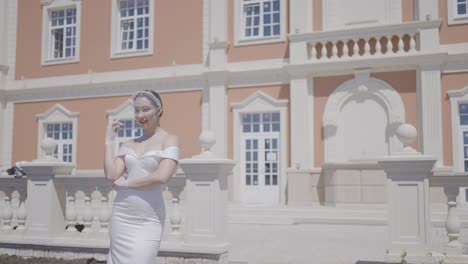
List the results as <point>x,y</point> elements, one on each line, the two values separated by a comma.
<point>22,214</point>
<point>87,216</point>
<point>345,49</point>
<point>323,51</point>
<point>95,206</point>
<point>452,223</point>
<point>412,43</point>
<point>313,51</point>
<point>334,51</point>
<point>366,47</point>
<point>15,202</point>
<point>7,214</point>
<point>388,45</point>
<point>104,216</point>
<point>378,46</point>
<point>71,215</point>
<point>401,45</point>
<point>356,47</point>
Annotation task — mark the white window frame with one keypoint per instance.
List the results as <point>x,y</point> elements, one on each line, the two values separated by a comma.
<point>260,102</point>
<point>116,52</point>
<point>125,111</point>
<point>47,7</point>
<point>240,40</point>
<point>452,14</point>
<point>57,114</point>
<point>457,97</point>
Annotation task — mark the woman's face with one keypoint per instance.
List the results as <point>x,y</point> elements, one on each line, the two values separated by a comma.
<point>146,114</point>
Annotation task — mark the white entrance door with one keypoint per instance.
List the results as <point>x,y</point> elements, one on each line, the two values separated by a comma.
<point>260,158</point>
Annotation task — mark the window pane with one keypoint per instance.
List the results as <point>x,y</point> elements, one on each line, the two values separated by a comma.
<point>248,180</point>
<point>275,179</point>
<point>255,144</point>
<point>266,128</point>
<point>255,179</point>
<point>276,30</point>
<point>246,128</point>
<point>266,7</point>
<point>248,144</point>
<point>248,168</point>
<point>267,179</point>
<point>464,120</point>
<point>248,156</point>
<point>466,152</point>
<point>256,128</point>
<point>276,5</point>
<point>266,19</point>
<point>256,117</point>
<point>466,165</point>
<point>275,127</point>
<point>275,116</point>
<point>461,9</point>
<point>267,31</point>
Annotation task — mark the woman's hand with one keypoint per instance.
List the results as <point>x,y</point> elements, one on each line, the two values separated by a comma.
<point>111,131</point>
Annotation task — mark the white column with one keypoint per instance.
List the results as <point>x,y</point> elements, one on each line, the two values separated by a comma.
<point>205,225</point>
<point>409,207</point>
<point>430,112</point>
<point>46,208</point>
<point>214,110</point>
<point>302,121</point>
<point>6,132</point>
<point>300,21</point>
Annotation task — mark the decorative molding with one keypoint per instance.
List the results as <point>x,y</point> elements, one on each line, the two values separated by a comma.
<point>457,97</point>
<point>362,86</point>
<point>57,113</point>
<point>259,98</point>
<point>336,14</point>
<point>125,110</point>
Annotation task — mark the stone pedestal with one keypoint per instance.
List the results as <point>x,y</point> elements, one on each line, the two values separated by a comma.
<point>408,203</point>
<point>206,200</point>
<point>46,203</point>
<point>305,187</point>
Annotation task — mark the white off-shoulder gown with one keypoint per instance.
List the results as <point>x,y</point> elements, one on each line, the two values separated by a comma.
<point>137,221</point>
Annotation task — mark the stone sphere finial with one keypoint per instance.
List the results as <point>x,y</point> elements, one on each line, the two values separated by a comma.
<point>207,139</point>
<point>48,145</point>
<point>407,134</point>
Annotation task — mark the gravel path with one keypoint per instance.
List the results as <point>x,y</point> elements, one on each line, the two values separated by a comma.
<point>7,259</point>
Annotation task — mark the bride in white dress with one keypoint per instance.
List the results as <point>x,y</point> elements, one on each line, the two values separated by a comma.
<point>138,213</point>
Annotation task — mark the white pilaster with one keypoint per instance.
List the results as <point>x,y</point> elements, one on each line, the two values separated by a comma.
<point>426,9</point>
<point>6,132</point>
<point>430,112</point>
<point>300,16</point>
<point>214,111</point>
<point>12,15</point>
<point>302,120</point>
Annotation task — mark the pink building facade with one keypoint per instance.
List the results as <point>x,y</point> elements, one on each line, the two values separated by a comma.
<point>304,95</point>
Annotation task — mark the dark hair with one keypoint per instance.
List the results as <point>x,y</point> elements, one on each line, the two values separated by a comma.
<point>160,100</point>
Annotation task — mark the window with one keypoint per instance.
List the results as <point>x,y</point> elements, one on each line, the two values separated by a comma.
<point>463,111</point>
<point>261,122</point>
<point>261,21</point>
<point>61,27</point>
<point>63,135</point>
<point>457,11</point>
<point>125,113</point>
<point>129,130</point>
<point>61,125</point>
<point>132,27</point>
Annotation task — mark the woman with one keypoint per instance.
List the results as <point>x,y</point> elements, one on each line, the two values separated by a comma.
<point>138,214</point>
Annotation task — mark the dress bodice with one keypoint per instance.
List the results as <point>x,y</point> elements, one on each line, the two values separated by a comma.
<point>140,166</point>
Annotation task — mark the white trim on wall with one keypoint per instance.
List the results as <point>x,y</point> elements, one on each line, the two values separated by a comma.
<point>333,19</point>
<point>456,98</point>
<point>259,102</point>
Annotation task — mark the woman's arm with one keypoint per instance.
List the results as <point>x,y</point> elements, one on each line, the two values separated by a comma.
<point>161,176</point>
<point>114,167</point>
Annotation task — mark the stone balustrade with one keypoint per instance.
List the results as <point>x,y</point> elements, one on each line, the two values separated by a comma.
<point>385,40</point>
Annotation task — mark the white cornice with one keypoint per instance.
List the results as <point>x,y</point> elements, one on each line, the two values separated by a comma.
<point>195,77</point>
<point>458,93</point>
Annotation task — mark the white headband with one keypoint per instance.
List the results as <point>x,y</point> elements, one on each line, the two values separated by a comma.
<point>150,96</point>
